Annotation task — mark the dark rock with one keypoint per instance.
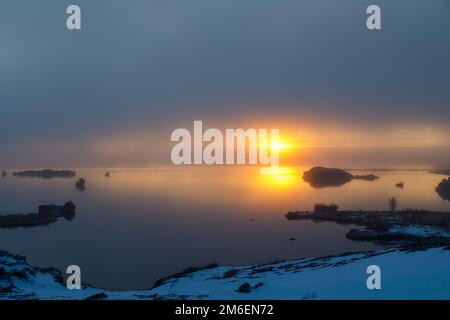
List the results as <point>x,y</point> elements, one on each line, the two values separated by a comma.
<point>184,273</point>
<point>69,206</point>
<point>443,189</point>
<point>4,173</point>
<point>261,269</point>
<point>400,185</point>
<point>98,296</point>
<point>6,283</point>
<point>230,273</point>
<point>57,275</point>
<point>20,274</point>
<point>107,174</point>
<point>14,256</point>
<point>46,174</point>
<point>245,288</point>
<point>80,184</point>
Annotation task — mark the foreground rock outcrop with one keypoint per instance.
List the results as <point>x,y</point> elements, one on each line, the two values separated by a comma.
<point>320,177</point>
<point>47,214</point>
<point>340,276</point>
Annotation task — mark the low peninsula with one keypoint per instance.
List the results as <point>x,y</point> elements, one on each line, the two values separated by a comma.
<point>47,214</point>
<point>385,227</point>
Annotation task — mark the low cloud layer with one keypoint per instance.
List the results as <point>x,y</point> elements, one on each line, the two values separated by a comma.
<point>150,65</point>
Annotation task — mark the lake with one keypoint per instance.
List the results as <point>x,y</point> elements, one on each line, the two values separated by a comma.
<point>143,224</point>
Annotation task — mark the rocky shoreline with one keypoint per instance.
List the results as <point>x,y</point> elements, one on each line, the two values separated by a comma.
<point>385,227</point>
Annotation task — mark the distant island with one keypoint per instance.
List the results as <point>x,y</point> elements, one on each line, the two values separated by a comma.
<point>320,177</point>
<point>45,174</point>
<point>47,214</point>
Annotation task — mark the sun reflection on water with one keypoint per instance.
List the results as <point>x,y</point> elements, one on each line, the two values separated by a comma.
<point>284,177</point>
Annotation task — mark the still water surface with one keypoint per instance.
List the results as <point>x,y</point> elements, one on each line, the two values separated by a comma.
<point>143,224</point>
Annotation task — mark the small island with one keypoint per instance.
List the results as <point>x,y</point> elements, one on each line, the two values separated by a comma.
<point>45,174</point>
<point>47,214</point>
<point>80,184</point>
<point>320,177</point>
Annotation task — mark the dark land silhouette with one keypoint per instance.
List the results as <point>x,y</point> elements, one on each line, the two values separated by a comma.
<point>443,189</point>
<point>47,214</point>
<point>445,172</point>
<point>321,177</point>
<point>80,184</point>
<point>45,174</point>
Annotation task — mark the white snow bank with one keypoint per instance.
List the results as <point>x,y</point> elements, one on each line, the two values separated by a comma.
<point>404,275</point>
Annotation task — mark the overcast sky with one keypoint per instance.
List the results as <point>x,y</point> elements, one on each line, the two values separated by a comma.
<point>138,69</point>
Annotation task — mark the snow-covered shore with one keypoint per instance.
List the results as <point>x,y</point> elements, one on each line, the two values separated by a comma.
<point>405,274</point>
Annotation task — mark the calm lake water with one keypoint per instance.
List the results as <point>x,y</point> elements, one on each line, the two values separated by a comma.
<point>143,224</point>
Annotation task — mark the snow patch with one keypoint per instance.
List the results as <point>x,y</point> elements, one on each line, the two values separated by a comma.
<point>420,230</point>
